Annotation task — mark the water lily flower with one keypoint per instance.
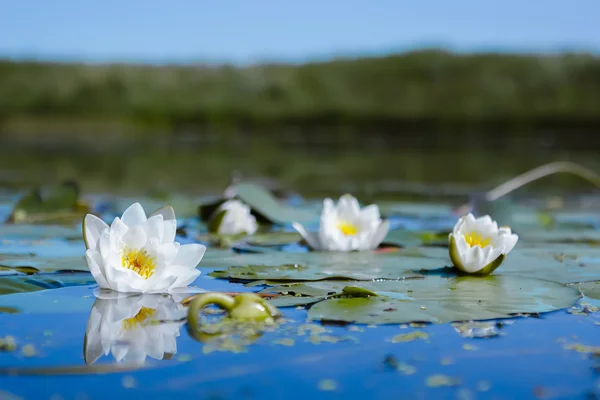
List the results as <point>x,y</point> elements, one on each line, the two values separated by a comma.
<point>345,227</point>
<point>478,246</point>
<point>136,254</point>
<point>133,327</point>
<point>233,218</point>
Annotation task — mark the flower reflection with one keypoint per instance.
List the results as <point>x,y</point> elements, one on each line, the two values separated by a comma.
<point>132,327</point>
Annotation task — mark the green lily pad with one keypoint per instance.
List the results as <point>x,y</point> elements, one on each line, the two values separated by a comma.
<point>269,239</point>
<point>44,264</point>
<point>297,294</point>
<point>56,301</point>
<point>590,289</point>
<point>38,232</point>
<point>264,203</point>
<point>60,204</point>
<point>421,210</point>
<point>564,264</point>
<point>583,236</point>
<point>441,300</point>
<point>24,284</point>
<point>315,266</point>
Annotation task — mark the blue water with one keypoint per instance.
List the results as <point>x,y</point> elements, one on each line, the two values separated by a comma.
<point>528,359</point>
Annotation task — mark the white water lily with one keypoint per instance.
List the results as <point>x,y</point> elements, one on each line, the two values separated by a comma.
<point>345,227</point>
<point>478,246</point>
<point>133,327</point>
<point>233,218</point>
<point>136,254</point>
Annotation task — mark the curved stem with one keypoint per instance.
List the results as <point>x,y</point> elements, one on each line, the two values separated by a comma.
<point>189,299</point>
<point>535,174</point>
<point>540,172</point>
<point>219,299</point>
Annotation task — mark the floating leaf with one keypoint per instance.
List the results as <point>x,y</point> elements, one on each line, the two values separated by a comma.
<point>409,337</point>
<point>63,300</point>
<point>590,289</point>
<point>563,264</point>
<point>61,204</point>
<point>22,284</point>
<point>439,300</point>
<point>315,266</point>
<point>264,203</point>
<point>38,232</point>
<point>43,264</point>
<point>274,238</point>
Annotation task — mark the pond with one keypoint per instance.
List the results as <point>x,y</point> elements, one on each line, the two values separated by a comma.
<point>395,322</point>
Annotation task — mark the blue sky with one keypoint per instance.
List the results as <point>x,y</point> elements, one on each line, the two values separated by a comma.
<point>246,31</point>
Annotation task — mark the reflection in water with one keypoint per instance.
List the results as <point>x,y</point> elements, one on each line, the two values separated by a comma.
<point>132,327</point>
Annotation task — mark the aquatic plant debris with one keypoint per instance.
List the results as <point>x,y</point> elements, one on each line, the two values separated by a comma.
<point>581,348</point>
<point>440,380</point>
<point>477,329</point>
<point>409,337</point>
<point>327,385</point>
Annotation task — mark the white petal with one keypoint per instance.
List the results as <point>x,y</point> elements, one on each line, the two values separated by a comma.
<point>380,234</point>
<point>328,208</point>
<point>167,252</point>
<point>251,225</point>
<point>370,213</point>
<point>475,259</point>
<point>118,228</point>
<point>167,212</point>
<point>134,215</point>
<point>170,230</point>
<point>169,221</point>
<point>96,265</point>
<point>185,277</point>
<point>484,220</point>
<point>154,227</point>
<point>159,284</point>
<point>92,229</point>
<point>104,246</point>
<point>510,240</point>
<point>348,207</point>
<point>458,228</point>
<point>125,280</point>
<point>189,255</point>
<point>312,238</point>
<point>135,238</point>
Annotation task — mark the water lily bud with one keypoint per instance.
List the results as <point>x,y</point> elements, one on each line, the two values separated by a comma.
<point>233,218</point>
<point>478,246</point>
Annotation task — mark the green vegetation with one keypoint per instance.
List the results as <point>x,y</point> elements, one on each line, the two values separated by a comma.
<point>420,87</point>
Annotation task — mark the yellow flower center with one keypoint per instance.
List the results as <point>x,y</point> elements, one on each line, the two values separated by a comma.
<point>475,239</point>
<point>138,261</point>
<point>347,228</point>
<point>140,317</point>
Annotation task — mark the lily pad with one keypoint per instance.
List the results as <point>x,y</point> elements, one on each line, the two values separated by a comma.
<point>44,264</point>
<point>564,264</point>
<point>329,265</point>
<point>264,203</point>
<point>62,300</point>
<point>590,289</point>
<point>23,284</point>
<point>60,204</point>
<point>269,239</point>
<point>23,232</point>
<point>441,300</point>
